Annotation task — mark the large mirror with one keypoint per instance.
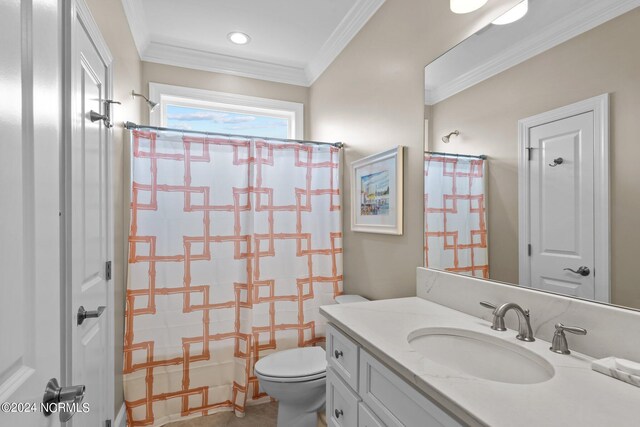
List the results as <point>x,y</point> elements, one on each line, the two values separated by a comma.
<point>532,151</point>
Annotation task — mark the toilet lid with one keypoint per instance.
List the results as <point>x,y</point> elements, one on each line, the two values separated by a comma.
<point>346,299</point>
<point>294,363</point>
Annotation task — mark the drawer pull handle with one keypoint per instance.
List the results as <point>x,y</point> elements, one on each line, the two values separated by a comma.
<point>337,354</point>
<point>338,412</point>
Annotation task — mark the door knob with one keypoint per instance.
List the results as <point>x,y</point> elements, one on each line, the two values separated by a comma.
<point>54,394</point>
<point>583,271</point>
<point>84,314</point>
<point>556,162</point>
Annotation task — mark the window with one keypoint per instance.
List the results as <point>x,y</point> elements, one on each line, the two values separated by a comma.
<point>218,112</point>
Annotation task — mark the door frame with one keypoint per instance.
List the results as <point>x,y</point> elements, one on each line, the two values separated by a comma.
<point>77,12</point>
<point>599,105</point>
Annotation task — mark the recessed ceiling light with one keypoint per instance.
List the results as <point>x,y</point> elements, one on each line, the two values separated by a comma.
<point>238,38</point>
<point>466,6</point>
<point>515,13</point>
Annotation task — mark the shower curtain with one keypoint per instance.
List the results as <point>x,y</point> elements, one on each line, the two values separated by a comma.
<point>234,244</point>
<point>455,216</point>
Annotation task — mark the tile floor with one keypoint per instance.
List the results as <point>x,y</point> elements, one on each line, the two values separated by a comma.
<point>256,416</point>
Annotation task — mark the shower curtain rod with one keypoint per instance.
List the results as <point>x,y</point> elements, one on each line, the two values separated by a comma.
<point>481,156</point>
<point>133,126</point>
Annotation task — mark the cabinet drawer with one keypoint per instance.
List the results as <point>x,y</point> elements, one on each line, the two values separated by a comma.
<point>342,402</point>
<point>342,355</point>
<point>366,417</point>
<point>395,402</point>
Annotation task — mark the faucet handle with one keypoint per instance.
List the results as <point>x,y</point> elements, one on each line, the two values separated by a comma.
<point>573,329</point>
<point>488,305</point>
<point>498,321</point>
<point>559,343</point>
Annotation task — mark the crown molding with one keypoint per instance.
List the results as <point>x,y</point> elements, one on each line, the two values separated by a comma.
<point>163,53</point>
<point>559,32</point>
<point>208,61</point>
<point>346,30</point>
<point>134,11</point>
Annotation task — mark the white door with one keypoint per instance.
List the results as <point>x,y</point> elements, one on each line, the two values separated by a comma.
<point>561,191</point>
<point>29,209</point>
<point>88,234</point>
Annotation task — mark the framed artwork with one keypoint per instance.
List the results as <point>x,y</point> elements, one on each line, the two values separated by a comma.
<point>376,193</point>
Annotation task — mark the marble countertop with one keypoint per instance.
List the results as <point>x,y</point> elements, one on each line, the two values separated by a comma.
<point>575,396</point>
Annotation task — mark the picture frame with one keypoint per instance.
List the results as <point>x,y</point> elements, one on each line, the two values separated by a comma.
<point>377,192</point>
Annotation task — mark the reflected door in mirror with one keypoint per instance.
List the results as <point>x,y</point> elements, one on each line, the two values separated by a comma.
<point>561,228</point>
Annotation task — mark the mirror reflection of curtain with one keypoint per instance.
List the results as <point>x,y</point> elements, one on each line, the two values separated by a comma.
<point>455,215</point>
<point>234,244</point>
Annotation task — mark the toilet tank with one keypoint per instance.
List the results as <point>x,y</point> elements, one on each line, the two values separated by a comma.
<point>346,299</point>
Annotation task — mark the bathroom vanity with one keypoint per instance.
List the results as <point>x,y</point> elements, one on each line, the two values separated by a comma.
<point>530,178</point>
<point>384,370</point>
<point>362,391</point>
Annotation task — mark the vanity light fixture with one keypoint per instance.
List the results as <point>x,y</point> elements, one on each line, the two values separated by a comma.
<point>465,6</point>
<point>152,105</point>
<point>513,14</point>
<point>237,37</point>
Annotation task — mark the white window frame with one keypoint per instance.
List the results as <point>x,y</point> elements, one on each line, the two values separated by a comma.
<point>182,96</point>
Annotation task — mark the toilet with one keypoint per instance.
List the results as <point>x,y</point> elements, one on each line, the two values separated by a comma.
<point>297,379</point>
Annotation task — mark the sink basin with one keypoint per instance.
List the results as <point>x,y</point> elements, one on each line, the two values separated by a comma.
<point>481,355</point>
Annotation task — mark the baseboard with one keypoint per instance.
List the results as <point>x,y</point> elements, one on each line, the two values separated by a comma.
<point>121,418</point>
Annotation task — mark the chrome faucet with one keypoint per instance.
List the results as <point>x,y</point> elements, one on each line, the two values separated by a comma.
<point>525,333</point>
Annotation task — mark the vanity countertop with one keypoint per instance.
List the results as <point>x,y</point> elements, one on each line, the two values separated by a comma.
<point>575,396</point>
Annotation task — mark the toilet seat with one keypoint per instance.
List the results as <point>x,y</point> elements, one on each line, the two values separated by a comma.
<point>319,376</point>
<point>295,365</point>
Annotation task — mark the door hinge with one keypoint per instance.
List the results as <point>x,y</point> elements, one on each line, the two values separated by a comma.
<point>529,249</point>
<point>107,270</point>
<point>529,152</point>
<point>107,423</point>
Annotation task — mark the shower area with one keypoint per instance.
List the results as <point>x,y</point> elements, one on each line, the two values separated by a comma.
<point>234,243</point>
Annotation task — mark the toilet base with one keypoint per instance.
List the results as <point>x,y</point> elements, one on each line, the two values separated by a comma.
<point>291,416</point>
<point>299,400</point>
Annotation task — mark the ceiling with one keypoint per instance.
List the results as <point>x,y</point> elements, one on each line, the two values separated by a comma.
<point>292,41</point>
<point>497,48</point>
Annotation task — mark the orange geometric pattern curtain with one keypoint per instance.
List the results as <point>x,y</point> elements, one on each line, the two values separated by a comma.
<point>234,244</point>
<point>455,215</point>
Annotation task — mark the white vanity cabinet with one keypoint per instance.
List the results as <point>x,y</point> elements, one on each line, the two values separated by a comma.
<point>363,392</point>
<point>366,418</point>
